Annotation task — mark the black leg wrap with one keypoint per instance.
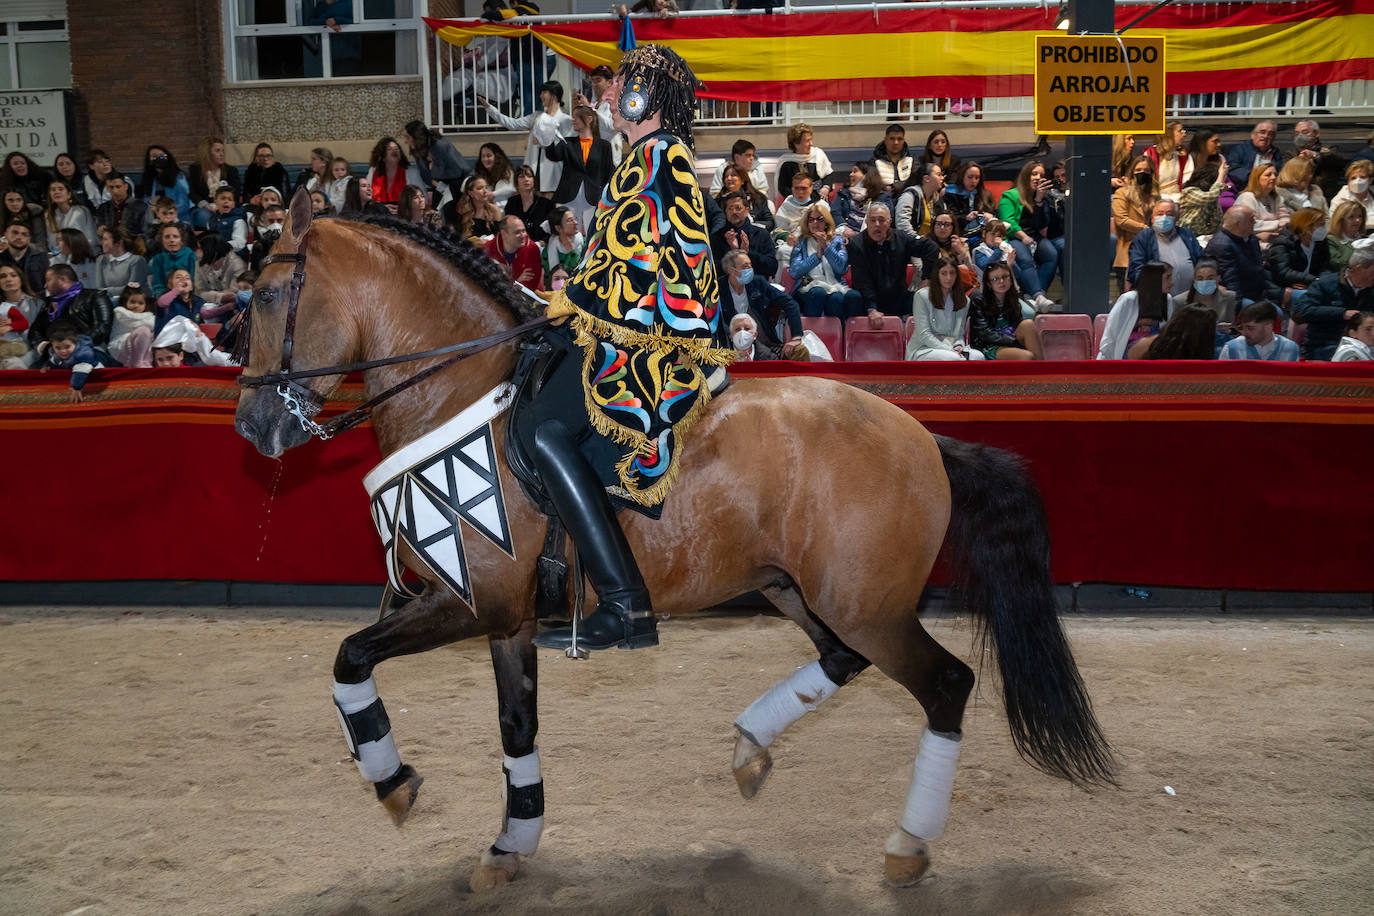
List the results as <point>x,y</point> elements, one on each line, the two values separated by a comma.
<point>365,725</point>
<point>524,802</point>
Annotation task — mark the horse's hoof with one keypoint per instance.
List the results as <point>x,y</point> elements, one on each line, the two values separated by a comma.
<point>494,871</point>
<point>752,765</point>
<point>906,860</point>
<point>399,793</point>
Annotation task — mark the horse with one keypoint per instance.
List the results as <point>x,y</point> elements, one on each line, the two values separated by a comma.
<point>767,499</point>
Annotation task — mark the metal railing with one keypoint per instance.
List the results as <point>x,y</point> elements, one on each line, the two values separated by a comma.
<point>508,72</point>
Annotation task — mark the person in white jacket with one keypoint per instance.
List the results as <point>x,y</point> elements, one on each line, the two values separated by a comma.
<point>940,332</point>
<point>1358,342</point>
<point>1126,321</point>
<point>544,127</point>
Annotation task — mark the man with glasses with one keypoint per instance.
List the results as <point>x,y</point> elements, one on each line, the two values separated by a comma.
<point>1258,150</point>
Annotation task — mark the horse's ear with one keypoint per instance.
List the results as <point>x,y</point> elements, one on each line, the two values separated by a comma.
<point>299,216</point>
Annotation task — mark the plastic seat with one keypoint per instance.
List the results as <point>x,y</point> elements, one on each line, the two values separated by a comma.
<point>1297,332</point>
<point>908,327</point>
<point>865,343</point>
<point>828,329</point>
<point>1099,328</point>
<point>1066,337</point>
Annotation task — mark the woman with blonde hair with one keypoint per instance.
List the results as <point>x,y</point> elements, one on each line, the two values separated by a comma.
<point>315,176</point>
<point>475,214</point>
<point>1357,177</point>
<point>1170,157</point>
<point>1261,195</point>
<point>1123,152</point>
<point>819,261</point>
<point>1296,187</point>
<point>1131,207</point>
<point>1347,225</point>
<point>206,174</point>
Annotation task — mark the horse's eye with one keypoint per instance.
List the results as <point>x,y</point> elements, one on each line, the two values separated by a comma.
<point>266,296</point>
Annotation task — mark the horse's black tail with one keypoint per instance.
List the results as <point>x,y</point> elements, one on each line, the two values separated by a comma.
<point>998,553</point>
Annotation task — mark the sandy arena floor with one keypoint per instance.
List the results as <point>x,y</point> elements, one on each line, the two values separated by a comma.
<point>181,762</point>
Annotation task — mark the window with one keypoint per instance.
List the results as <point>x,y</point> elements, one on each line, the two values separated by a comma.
<point>34,55</point>
<point>294,39</point>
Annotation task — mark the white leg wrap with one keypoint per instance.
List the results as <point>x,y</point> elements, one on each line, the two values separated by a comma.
<point>523,793</point>
<point>927,805</point>
<point>784,703</point>
<point>377,759</point>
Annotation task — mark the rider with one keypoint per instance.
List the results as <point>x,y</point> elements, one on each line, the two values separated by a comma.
<point>642,309</point>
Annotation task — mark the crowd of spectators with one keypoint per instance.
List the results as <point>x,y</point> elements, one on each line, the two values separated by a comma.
<point>1262,237</point>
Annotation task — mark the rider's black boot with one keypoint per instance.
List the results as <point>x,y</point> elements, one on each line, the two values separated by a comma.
<point>623,617</point>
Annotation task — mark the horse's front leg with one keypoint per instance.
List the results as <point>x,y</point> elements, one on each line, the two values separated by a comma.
<point>436,618</point>
<point>522,822</point>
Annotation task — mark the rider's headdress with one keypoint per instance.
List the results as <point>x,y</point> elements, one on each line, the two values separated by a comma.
<point>657,79</point>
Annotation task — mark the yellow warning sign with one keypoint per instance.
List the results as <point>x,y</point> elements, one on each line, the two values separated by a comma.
<point>1099,84</point>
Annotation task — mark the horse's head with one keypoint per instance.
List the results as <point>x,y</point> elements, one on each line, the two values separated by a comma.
<point>314,337</point>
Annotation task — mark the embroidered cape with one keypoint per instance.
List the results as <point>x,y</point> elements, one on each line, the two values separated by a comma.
<point>645,311</point>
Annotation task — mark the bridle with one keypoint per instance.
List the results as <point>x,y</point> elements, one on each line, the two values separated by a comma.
<point>305,403</point>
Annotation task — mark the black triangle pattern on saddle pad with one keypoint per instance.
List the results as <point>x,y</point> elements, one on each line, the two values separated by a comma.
<point>423,506</point>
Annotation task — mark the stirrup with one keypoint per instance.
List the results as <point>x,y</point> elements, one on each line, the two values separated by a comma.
<point>606,628</point>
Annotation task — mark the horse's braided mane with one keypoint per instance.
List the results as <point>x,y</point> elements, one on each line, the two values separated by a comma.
<point>470,260</point>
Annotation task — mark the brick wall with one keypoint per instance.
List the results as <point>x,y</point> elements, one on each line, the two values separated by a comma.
<point>146,72</point>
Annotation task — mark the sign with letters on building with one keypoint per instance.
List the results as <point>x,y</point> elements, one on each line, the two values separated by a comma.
<point>1099,84</point>
<point>34,123</point>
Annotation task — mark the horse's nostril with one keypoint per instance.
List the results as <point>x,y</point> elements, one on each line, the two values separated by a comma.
<point>246,430</point>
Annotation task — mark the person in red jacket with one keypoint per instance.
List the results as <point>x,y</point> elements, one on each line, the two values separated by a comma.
<point>513,250</point>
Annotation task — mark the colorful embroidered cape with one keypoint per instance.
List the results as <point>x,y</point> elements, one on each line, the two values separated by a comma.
<point>646,313</point>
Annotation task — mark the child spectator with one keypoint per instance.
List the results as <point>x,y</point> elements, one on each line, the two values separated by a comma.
<point>216,274</point>
<point>121,261</point>
<point>165,214</point>
<point>1257,339</point>
<point>320,205</point>
<point>180,299</point>
<point>273,219</point>
<point>994,248</point>
<point>68,348</point>
<point>131,335</point>
<point>181,336</point>
<point>168,357</point>
<point>851,203</point>
<point>339,175</point>
<point>1358,342</point>
<point>74,251</point>
<point>228,220</point>
<point>227,338</point>
<point>174,256</point>
<point>16,296</point>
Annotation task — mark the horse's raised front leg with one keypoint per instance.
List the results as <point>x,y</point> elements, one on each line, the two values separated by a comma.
<point>790,699</point>
<point>436,618</point>
<point>522,822</point>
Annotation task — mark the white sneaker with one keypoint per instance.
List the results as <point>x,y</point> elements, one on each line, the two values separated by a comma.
<point>1044,304</point>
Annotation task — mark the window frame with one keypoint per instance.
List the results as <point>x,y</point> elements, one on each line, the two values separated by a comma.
<point>15,36</point>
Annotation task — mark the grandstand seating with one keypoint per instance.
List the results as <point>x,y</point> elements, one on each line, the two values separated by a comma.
<point>1099,328</point>
<point>1067,336</point>
<point>864,342</point>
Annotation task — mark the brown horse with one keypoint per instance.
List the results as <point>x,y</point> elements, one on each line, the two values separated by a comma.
<point>829,500</point>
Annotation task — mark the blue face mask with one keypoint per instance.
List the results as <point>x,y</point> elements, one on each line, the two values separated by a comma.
<point>1205,287</point>
<point>1164,224</point>
<point>746,275</point>
<point>243,296</point>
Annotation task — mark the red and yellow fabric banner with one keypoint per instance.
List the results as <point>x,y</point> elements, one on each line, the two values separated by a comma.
<point>873,54</point>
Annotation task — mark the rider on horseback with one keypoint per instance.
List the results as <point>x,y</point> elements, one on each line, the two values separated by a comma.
<point>642,308</point>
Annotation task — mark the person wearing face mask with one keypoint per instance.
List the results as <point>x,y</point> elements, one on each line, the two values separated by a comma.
<point>1328,166</point>
<point>750,347</point>
<point>1334,299</point>
<point>1166,241</point>
<point>746,293</point>
<point>273,218</point>
<point>1356,189</point>
<point>1299,254</point>
<point>1238,257</point>
<point>1207,291</point>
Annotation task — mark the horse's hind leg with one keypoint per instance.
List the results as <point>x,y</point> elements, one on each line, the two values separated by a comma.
<point>790,699</point>
<point>513,660</point>
<point>436,618</point>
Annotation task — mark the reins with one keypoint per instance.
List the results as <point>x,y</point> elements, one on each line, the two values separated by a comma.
<point>305,403</point>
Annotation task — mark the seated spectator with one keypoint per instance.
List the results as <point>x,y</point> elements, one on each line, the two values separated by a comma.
<point>175,255</point>
<point>993,249</point>
<point>183,337</point>
<point>17,252</point>
<point>878,262</point>
<point>474,216</point>
<point>1205,149</point>
<point>1367,152</point>
<point>1299,254</point>
<point>180,299</point>
<point>131,333</point>
<point>920,201</point>
<point>339,177</point>
<point>939,152</point>
<point>1165,240</point>
<point>273,220</point>
<point>787,222</point>
<point>1297,189</point>
<point>749,346</point>
<point>1238,257</point>
<point>1328,166</point>
<point>1258,150</point>
<point>89,309</point>
<point>1334,299</point>
<point>544,126</point>
<point>566,246</point>
<point>65,170</point>
<point>998,326</point>
<point>1123,156</point>
<point>1138,314</point>
<point>1022,208</point>
<point>970,202</point>
<point>743,292</point>
<point>587,165</point>
<point>1199,208</point>
<point>743,158</point>
<point>168,357</point>
<point>494,167</point>
<point>269,198</point>
<point>65,213</point>
<point>1347,225</point>
<point>26,214</point>
<point>436,159</point>
<point>760,207</point>
<point>265,172</point>
<point>1356,189</point>
<point>1358,342</point>
<point>1257,339</point>
<point>228,220</point>
<point>216,275</point>
<point>228,334</point>
<point>24,175</point>
<point>1190,334</point>
<point>893,160</point>
<point>1207,291</point>
<point>122,209</point>
<point>939,326</point>
<point>742,235</point>
<point>206,176</point>
<point>1262,197</point>
<point>518,256</point>
<point>75,251</point>
<point>948,246</point>
<point>19,306</point>
<point>70,349</point>
<point>802,155</point>
<point>387,173</point>
<point>98,171</point>
<point>852,202</point>
<point>121,262</point>
<point>164,215</point>
<point>1170,159</point>
<point>1132,204</point>
<point>162,177</point>
<point>411,206</point>
<point>819,261</point>
<point>534,209</point>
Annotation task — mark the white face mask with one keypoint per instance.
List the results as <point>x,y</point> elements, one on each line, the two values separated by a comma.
<point>743,339</point>
<point>274,227</point>
<point>1319,233</point>
<point>1359,185</point>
